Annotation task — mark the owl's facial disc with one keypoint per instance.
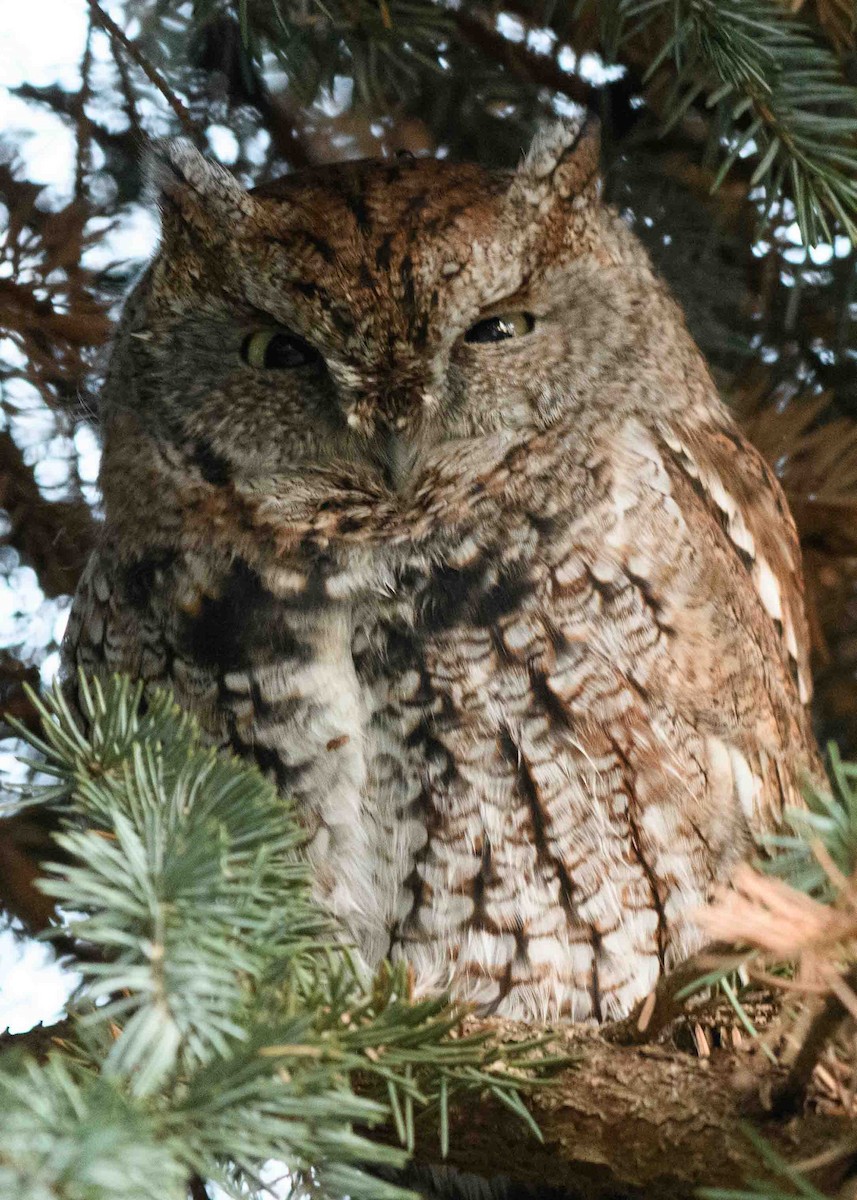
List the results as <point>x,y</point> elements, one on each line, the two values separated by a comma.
<point>358,320</point>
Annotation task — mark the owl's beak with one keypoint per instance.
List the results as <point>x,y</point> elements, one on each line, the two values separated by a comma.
<point>397,457</point>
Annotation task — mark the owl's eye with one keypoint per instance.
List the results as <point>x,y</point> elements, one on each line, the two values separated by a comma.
<point>504,325</point>
<point>275,350</point>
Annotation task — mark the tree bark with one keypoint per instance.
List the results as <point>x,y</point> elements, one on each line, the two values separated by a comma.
<point>635,1121</point>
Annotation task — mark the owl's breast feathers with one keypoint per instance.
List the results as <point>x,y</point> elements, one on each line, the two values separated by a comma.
<point>526,747</point>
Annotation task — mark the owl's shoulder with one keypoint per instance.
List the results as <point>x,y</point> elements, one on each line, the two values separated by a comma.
<point>117,621</point>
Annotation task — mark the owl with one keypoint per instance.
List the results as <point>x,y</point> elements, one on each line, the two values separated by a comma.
<point>420,496</point>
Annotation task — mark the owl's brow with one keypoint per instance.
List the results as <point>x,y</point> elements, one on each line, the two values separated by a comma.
<point>310,289</point>
<point>520,295</point>
<point>341,316</point>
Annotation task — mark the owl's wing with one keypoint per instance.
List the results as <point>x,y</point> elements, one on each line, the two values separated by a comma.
<point>628,695</point>
<point>721,554</point>
<point>736,489</point>
<point>116,624</point>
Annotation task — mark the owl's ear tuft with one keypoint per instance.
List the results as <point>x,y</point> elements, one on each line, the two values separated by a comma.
<point>563,161</point>
<point>198,191</point>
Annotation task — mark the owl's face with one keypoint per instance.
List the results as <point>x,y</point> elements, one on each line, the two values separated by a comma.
<point>360,318</point>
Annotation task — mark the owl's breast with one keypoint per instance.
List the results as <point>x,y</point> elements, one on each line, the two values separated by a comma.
<point>507,772</point>
<point>547,802</point>
<point>510,862</point>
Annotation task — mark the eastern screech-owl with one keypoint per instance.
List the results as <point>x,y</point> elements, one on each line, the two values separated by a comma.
<point>420,495</point>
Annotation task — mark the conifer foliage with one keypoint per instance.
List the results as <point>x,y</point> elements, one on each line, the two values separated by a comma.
<point>219,1023</point>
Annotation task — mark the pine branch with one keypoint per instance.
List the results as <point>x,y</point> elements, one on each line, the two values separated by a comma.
<point>527,65</point>
<point>220,1017</point>
<point>777,92</point>
<point>384,46</point>
<point>67,1134</point>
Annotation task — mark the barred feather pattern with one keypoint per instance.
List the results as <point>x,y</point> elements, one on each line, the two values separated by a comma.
<point>521,636</point>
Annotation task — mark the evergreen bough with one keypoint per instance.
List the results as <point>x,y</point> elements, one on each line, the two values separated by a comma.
<point>776,89</point>
<point>220,1022</point>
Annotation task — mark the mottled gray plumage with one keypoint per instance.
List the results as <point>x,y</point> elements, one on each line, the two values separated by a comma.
<point>517,622</point>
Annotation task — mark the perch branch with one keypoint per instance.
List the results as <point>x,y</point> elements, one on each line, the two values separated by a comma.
<point>635,1121</point>
<point>631,1121</point>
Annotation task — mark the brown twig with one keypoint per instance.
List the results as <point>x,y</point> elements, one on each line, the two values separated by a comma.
<point>54,538</point>
<point>152,74</point>
<point>790,1095</point>
<point>126,87</point>
<point>197,1188</point>
<point>662,1006</point>
<point>84,134</point>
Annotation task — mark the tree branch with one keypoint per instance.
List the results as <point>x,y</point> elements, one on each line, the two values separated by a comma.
<point>634,1122</point>
<point>25,841</point>
<point>523,63</point>
<point>53,537</point>
<point>38,1041</point>
<point>152,74</point>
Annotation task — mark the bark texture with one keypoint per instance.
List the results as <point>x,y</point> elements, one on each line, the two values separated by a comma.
<point>639,1121</point>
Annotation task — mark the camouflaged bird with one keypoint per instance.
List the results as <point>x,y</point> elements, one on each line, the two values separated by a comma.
<point>420,495</point>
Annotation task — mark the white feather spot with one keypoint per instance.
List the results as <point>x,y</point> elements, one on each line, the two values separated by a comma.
<point>746,784</point>
<point>519,635</point>
<point>791,640</point>
<point>568,570</point>
<point>284,582</point>
<point>462,554</point>
<point>768,589</point>
<point>604,571</point>
<point>720,496</point>
<point>741,535</point>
